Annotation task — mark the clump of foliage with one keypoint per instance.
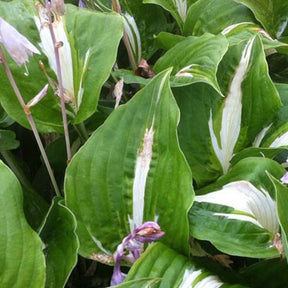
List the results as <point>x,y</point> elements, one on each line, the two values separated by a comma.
<point>153,120</point>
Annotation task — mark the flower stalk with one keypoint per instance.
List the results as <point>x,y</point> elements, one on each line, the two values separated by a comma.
<point>57,46</point>
<point>117,8</point>
<point>31,121</point>
<point>132,246</point>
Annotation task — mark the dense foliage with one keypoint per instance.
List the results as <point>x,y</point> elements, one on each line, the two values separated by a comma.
<point>162,120</point>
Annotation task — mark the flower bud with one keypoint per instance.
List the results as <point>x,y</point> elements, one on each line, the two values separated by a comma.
<point>18,46</point>
<point>58,7</point>
<point>148,232</point>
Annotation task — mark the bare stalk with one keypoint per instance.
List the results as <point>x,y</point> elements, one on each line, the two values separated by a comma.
<point>30,120</point>
<point>117,8</point>
<point>57,45</point>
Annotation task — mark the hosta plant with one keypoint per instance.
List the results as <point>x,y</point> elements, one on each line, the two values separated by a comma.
<point>143,143</point>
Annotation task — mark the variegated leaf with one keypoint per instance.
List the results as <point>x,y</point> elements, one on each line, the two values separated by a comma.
<point>174,270</point>
<point>135,178</point>
<point>240,205</point>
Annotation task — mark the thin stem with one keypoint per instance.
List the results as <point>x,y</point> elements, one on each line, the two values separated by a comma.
<point>30,120</point>
<point>117,8</point>
<point>81,131</point>
<point>60,84</point>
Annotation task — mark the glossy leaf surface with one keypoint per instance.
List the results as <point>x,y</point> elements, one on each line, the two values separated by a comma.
<point>136,176</point>
<point>22,262</point>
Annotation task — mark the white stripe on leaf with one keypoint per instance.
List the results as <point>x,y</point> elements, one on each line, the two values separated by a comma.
<point>232,112</point>
<point>228,29</point>
<point>64,53</point>
<point>141,173</point>
<point>181,6</point>
<point>191,279</point>
<point>280,141</point>
<point>258,139</point>
<point>249,204</point>
<point>209,282</point>
<point>133,35</point>
<point>81,89</point>
<point>186,71</point>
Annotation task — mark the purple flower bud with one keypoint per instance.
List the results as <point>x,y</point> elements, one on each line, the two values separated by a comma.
<point>284,179</point>
<point>132,246</point>
<point>148,232</point>
<point>81,4</point>
<point>18,46</point>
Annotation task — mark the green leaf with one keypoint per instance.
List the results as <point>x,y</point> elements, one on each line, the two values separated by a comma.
<point>272,14</point>
<point>139,283</point>
<point>93,57</point>
<point>7,140</point>
<point>60,242</point>
<point>252,169</point>
<point>35,208</point>
<point>150,21</point>
<point>228,124</point>
<point>5,120</point>
<point>246,30</point>
<point>22,262</point>
<point>129,77</point>
<point>194,60</point>
<point>243,236</point>
<point>166,41</point>
<point>175,270</point>
<point>256,152</point>
<point>282,202</point>
<point>177,8</point>
<point>213,16</point>
<point>275,275</point>
<point>105,189</point>
<point>194,102</point>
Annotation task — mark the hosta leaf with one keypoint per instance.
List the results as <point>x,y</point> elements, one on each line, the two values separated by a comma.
<point>194,60</point>
<point>136,170</point>
<point>60,244</point>
<point>166,41</point>
<point>177,8</point>
<point>234,207</point>
<point>244,111</point>
<point>256,152</point>
<point>282,202</point>
<point>213,16</point>
<point>275,275</point>
<point>139,283</point>
<point>272,14</point>
<point>150,20</point>
<point>7,140</point>
<point>174,270</point>
<point>244,31</point>
<point>252,169</point>
<point>84,53</point>
<point>194,102</point>
<point>215,139</point>
<point>275,134</point>
<point>22,262</point>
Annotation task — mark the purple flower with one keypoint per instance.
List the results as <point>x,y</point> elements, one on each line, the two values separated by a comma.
<point>284,179</point>
<point>132,246</point>
<point>18,46</point>
<point>148,232</point>
<point>81,4</point>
